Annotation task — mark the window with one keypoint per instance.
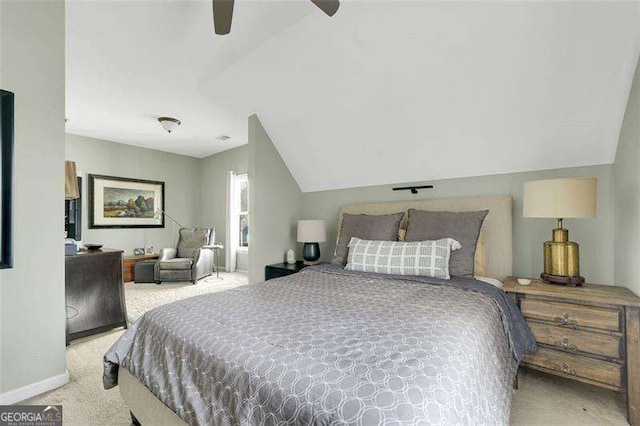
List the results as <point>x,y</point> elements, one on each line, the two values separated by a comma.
<point>242,209</point>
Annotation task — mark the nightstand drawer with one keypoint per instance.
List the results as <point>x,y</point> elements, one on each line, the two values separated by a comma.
<point>571,315</point>
<point>576,340</point>
<point>570,365</point>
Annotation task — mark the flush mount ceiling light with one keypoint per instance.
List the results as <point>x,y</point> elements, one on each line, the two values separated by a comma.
<point>169,123</point>
<point>223,138</point>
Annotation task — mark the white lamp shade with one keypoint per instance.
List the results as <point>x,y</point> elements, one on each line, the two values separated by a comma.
<point>560,198</point>
<point>311,231</point>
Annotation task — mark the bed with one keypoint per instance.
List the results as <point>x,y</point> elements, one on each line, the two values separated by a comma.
<point>330,346</point>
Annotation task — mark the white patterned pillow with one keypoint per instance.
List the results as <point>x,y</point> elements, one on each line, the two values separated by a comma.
<point>424,258</point>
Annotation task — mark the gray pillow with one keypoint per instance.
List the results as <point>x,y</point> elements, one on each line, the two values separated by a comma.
<point>366,227</point>
<point>463,227</point>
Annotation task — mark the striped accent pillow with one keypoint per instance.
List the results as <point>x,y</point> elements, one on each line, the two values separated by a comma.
<point>423,258</point>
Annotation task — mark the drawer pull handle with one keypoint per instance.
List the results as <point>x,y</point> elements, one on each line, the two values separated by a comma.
<point>565,345</point>
<point>565,369</point>
<point>564,320</point>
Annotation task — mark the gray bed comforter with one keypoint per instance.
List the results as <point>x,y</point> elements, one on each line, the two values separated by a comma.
<point>328,346</point>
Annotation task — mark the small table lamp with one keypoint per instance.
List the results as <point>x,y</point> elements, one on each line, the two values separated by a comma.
<point>561,199</point>
<point>311,232</point>
<point>71,191</point>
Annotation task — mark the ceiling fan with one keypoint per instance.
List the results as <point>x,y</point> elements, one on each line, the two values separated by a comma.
<point>223,12</point>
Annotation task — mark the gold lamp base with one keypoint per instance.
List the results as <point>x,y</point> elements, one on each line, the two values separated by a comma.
<point>561,259</point>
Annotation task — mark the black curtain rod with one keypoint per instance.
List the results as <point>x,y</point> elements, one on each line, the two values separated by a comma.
<point>413,189</point>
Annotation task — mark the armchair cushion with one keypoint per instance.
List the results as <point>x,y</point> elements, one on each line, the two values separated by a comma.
<point>177,263</point>
<point>168,253</point>
<point>191,240</point>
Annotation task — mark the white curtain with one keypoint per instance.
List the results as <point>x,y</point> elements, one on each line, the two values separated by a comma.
<point>231,243</point>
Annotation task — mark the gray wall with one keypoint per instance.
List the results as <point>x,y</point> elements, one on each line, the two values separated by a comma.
<point>595,236</point>
<point>242,261</point>
<point>275,202</point>
<point>627,194</point>
<point>214,191</point>
<point>195,189</point>
<point>180,174</point>
<point>32,307</point>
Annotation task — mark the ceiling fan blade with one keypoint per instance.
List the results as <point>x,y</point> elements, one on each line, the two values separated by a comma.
<point>222,16</point>
<point>330,7</point>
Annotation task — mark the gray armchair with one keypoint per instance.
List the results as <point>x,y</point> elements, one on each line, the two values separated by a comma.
<point>188,261</point>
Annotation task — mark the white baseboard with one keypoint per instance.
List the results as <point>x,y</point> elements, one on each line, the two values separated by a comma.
<point>34,389</point>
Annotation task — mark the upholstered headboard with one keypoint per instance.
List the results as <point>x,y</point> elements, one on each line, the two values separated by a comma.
<point>497,230</point>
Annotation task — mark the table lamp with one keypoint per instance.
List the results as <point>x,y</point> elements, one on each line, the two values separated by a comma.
<point>561,199</point>
<point>71,190</point>
<point>311,232</point>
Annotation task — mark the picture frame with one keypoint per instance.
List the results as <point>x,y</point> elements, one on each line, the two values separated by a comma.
<point>138,251</point>
<point>6,178</point>
<point>149,250</point>
<point>118,202</point>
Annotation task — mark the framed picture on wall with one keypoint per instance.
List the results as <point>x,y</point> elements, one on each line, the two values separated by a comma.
<point>116,202</point>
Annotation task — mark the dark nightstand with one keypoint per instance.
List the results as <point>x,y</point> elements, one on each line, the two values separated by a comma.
<point>282,269</point>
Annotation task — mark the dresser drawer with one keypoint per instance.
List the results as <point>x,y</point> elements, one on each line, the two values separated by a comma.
<point>577,340</point>
<point>570,315</point>
<point>571,365</point>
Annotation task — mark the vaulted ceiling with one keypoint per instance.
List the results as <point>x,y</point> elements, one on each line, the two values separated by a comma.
<point>383,92</point>
<point>129,62</point>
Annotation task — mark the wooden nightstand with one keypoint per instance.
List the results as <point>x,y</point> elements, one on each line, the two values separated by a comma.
<point>589,333</point>
<point>282,269</point>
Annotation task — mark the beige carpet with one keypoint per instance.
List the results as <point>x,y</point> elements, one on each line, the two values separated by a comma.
<point>84,401</point>
<point>540,400</point>
<point>144,297</point>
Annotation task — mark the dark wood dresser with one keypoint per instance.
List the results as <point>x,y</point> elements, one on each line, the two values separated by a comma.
<point>94,292</point>
<point>589,333</point>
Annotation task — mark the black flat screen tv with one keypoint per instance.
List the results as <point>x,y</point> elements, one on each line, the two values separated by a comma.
<point>6,178</point>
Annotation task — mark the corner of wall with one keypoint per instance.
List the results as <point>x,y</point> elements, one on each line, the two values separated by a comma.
<point>275,202</point>
<point>180,174</point>
<point>627,194</point>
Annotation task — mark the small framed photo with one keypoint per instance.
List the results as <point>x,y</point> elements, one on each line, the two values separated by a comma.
<point>138,251</point>
<point>149,250</point>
